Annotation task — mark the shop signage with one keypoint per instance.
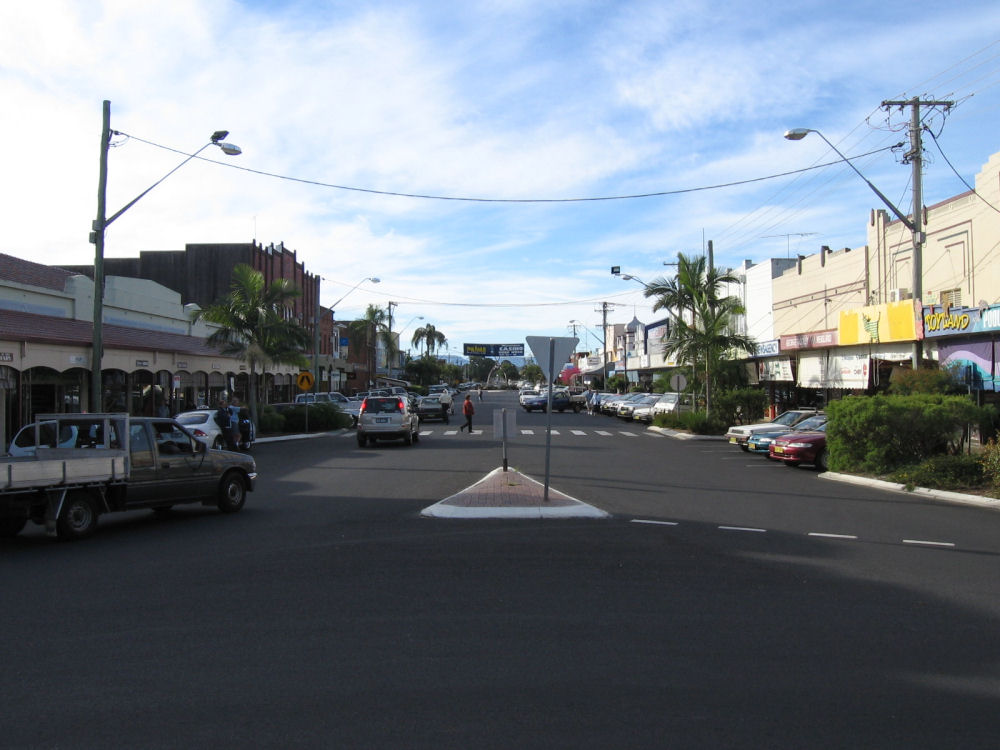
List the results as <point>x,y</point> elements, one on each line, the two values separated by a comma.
<point>767,348</point>
<point>951,320</point>
<point>817,340</point>
<point>142,363</point>
<point>182,365</point>
<point>6,356</point>
<point>775,369</point>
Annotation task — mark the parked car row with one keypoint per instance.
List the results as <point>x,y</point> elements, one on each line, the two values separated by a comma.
<point>794,437</point>
<point>637,407</point>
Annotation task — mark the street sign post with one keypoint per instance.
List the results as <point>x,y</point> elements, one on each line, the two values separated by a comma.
<point>548,350</point>
<point>304,380</point>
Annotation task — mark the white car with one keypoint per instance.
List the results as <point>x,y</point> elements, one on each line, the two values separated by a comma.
<point>23,443</point>
<point>201,423</point>
<point>387,418</point>
<point>740,434</point>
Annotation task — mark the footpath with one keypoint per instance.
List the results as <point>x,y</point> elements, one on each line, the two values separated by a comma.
<point>511,494</point>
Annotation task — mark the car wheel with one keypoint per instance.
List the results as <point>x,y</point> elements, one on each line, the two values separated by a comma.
<point>232,493</point>
<point>821,460</point>
<point>744,447</point>
<point>11,527</point>
<point>362,440</point>
<point>576,409</point>
<point>408,437</point>
<point>78,518</point>
<point>218,443</point>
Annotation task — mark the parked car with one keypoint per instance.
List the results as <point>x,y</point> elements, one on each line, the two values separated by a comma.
<point>430,408</point>
<point>740,434</point>
<point>626,409</point>
<point>24,442</point>
<point>760,442</point>
<point>668,403</point>
<point>352,408</point>
<point>611,406</point>
<point>797,448</point>
<point>387,418</point>
<point>526,393</point>
<point>201,423</point>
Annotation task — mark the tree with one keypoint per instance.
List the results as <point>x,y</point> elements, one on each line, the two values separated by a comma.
<point>253,325</point>
<point>431,337</point>
<point>365,333</point>
<point>702,320</point>
<point>508,370</point>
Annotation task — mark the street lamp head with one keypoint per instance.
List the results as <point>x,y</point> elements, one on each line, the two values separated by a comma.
<point>229,149</point>
<point>218,135</point>
<point>797,134</point>
<point>627,276</point>
<point>373,279</point>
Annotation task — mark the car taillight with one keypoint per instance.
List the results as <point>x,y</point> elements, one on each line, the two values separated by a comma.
<point>401,404</point>
<point>364,406</point>
<point>199,433</point>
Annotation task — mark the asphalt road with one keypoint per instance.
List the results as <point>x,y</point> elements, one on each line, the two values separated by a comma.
<point>728,602</point>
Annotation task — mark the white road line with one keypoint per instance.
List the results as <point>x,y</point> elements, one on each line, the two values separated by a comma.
<point>831,536</point>
<point>604,433</point>
<point>742,528</point>
<point>578,432</point>
<point>928,543</point>
<point>655,523</point>
<point>527,432</point>
<point>628,434</point>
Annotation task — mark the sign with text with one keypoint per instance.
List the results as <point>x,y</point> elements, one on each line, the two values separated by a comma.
<point>493,350</point>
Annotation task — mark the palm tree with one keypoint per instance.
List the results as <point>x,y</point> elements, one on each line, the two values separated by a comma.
<point>254,326</point>
<point>365,332</point>
<point>702,319</point>
<point>431,336</point>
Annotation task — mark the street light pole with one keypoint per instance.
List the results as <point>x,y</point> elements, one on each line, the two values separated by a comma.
<point>100,225</point>
<point>333,307</point>
<point>915,225</point>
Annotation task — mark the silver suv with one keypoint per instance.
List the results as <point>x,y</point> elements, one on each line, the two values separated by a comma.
<point>387,418</point>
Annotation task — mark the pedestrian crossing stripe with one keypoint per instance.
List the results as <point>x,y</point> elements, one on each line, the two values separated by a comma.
<point>576,433</point>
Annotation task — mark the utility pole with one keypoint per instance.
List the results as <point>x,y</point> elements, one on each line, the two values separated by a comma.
<point>915,157</point>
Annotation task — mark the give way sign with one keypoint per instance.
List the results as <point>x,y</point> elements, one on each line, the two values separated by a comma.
<point>549,351</point>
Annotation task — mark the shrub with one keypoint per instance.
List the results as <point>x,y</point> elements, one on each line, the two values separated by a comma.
<point>942,472</point>
<point>881,433</point>
<point>694,421</point>
<point>740,405</point>
<point>322,416</point>
<point>990,460</point>
<point>270,420</point>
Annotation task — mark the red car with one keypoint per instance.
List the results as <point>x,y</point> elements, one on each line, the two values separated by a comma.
<point>801,448</point>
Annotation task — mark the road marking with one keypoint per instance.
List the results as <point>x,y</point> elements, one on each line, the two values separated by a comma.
<point>928,543</point>
<point>628,434</point>
<point>605,433</point>
<point>742,528</point>
<point>831,536</point>
<point>655,523</point>
<point>527,432</point>
<point>578,432</point>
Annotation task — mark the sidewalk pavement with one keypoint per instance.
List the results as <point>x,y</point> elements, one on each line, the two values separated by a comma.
<point>514,495</point>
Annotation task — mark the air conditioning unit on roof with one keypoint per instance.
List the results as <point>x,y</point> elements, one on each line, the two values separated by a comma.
<point>898,295</point>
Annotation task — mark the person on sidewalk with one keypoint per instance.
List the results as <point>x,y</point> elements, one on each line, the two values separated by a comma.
<point>467,411</point>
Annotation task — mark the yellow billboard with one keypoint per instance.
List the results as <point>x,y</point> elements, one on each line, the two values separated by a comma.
<point>874,324</point>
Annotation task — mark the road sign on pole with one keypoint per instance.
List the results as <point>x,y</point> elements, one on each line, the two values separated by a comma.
<point>304,380</point>
<point>562,347</point>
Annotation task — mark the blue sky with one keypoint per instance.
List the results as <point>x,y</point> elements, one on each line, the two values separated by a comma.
<point>507,101</point>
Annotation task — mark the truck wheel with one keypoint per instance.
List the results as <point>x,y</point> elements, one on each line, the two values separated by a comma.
<point>78,518</point>
<point>11,527</point>
<point>576,408</point>
<point>232,493</point>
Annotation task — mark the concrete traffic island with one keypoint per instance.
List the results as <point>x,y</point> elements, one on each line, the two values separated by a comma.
<point>510,494</point>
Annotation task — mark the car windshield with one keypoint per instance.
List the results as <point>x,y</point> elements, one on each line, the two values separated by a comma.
<point>788,418</point>
<point>430,401</point>
<point>192,418</point>
<point>813,423</point>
